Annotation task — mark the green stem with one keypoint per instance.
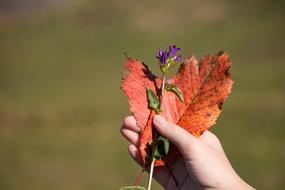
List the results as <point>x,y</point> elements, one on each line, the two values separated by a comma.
<point>155,133</point>
<point>162,87</point>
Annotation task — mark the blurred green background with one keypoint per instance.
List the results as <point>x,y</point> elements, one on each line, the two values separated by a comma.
<point>61,107</point>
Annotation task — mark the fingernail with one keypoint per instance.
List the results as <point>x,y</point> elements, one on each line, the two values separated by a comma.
<point>158,119</point>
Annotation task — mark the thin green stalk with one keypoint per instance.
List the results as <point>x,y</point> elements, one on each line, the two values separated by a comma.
<point>153,160</point>
<point>162,87</point>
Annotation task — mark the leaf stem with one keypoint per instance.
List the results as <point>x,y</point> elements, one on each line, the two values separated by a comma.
<point>138,178</point>
<point>150,174</point>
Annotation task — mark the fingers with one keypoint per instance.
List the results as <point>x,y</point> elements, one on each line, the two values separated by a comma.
<point>177,135</point>
<point>135,154</point>
<point>131,136</point>
<point>130,130</point>
<point>130,123</point>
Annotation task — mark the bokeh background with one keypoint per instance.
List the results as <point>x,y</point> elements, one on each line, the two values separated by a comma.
<point>61,107</point>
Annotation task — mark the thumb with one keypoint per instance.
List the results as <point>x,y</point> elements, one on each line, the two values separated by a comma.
<point>183,140</point>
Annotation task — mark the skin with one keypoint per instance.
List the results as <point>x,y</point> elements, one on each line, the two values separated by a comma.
<point>203,165</point>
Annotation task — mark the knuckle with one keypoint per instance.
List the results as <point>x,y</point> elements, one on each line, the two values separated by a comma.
<point>126,121</point>
<point>214,138</point>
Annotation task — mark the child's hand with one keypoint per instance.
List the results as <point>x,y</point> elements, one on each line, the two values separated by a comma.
<point>203,165</point>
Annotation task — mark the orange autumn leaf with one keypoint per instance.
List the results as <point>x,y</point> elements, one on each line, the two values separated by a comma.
<point>204,85</point>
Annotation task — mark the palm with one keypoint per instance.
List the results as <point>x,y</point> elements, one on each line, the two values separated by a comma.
<point>177,179</point>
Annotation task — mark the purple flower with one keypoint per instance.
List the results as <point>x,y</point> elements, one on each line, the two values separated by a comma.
<point>177,58</point>
<point>173,50</point>
<point>168,58</point>
<point>162,56</point>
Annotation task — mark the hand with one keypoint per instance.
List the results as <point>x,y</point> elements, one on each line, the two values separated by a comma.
<point>203,165</point>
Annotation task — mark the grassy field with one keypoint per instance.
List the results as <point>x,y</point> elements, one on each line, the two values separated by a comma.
<point>60,102</point>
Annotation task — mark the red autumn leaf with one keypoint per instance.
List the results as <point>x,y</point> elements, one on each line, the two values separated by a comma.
<point>205,86</point>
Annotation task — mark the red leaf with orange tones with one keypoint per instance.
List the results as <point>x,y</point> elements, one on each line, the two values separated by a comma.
<point>205,86</point>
